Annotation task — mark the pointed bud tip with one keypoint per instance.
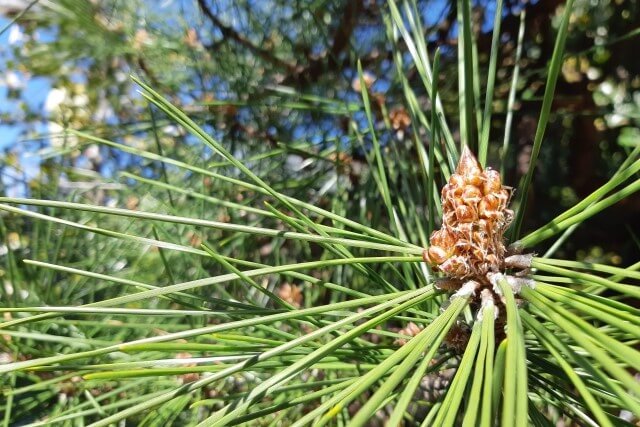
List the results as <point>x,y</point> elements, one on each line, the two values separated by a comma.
<point>468,162</point>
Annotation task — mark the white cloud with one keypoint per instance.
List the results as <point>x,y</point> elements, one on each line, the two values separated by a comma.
<point>55,97</point>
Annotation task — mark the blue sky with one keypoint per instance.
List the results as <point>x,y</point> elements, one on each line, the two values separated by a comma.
<point>34,92</point>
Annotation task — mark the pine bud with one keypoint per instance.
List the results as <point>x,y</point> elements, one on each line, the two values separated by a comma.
<point>470,242</point>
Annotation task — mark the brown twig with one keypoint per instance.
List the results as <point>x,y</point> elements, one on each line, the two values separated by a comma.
<point>329,61</point>
<point>231,34</point>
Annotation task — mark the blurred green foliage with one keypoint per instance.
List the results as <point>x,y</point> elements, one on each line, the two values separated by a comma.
<point>267,73</point>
